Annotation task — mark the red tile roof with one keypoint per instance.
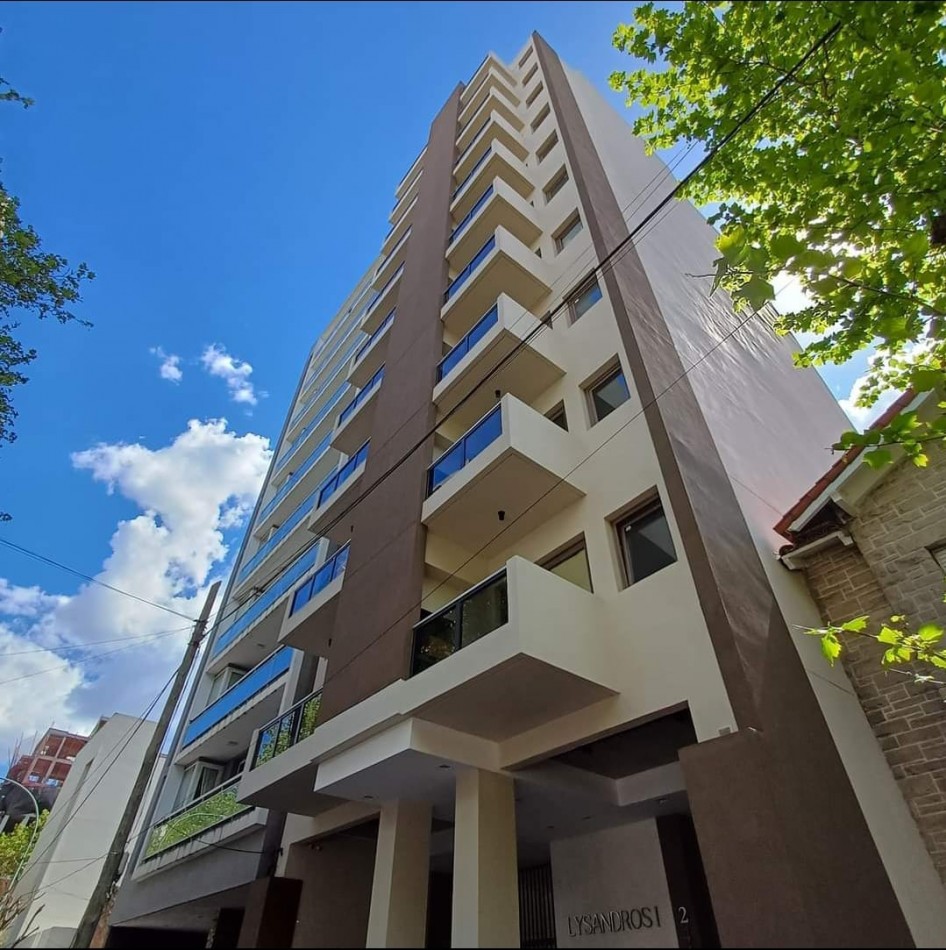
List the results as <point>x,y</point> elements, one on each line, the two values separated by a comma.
<point>839,466</point>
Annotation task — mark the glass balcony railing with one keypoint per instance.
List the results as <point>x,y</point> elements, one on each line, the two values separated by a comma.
<point>473,142</point>
<point>327,361</point>
<point>211,809</point>
<point>394,250</point>
<point>281,533</point>
<point>304,467</point>
<point>390,282</point>
<point>463,621</point>
<point>472,172</point>
<point>303,435</point>
<point>446,366</point>
<point>388,320</point>
<point>332,568</point>
<point>291,573</point>
<point>364,394</point>
<point>464,274</point>
<point>342,475</point>
<point>285,731</point>
<point>465,449</point>
<point>242,691</point>
<point>483,198</point>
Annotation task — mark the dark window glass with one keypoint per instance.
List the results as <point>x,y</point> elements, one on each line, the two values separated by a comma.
<point>564,237</point>
<point>555,185</point>
<point>646,544</point>
<point>557,415</point>
<point>586,298</point>
<point>547,146</point>
<point>608,394</point>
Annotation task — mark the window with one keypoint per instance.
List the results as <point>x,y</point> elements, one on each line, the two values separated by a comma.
<point>525,57</point>
<point>223,681</point>
<point>555,185</point>
<point>547,146</point>
<point>530,74</point>
<point>584,299</point>
<point>541,117</point>
<point>534,95</point>
<point>645,542</point>
<point>557,415</point>
<point>939,555</point>
<point>197,780</point>
<point>607,394</point>
<point>571,563</point>
<point>567,232</point>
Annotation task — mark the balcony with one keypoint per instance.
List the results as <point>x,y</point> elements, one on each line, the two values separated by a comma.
<point>487,345</point>
<point>262,617</point>
<point>336,494</point>
<point>494,103</point>
<point>383,303</point>
<point>310,406</point>
<point>494,81</point>
<point>401,210</point>
<point>393,259</point>
<point>496,162</point>
<point>491,62</point>
<point>494,128</point>
<point>301,481</point>
<point>311,426</point>
<point>499,205</point>
<point>225,724</point>
<point>324,373</point>
<point>370,357</point>
<point>411,174</point>
<point>502,265</point>
<point>212,810</point>
<point>513,461</point>
<point>398,230</point>
<point>354,421</point>
<point>310,614</point>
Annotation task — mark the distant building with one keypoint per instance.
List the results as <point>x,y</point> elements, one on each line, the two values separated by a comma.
<point>43,772</point>
<point>72,847</point>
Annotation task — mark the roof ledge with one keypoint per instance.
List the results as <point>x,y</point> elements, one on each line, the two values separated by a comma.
<point>794,558</point>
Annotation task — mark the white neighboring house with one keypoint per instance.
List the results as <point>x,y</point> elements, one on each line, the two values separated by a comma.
<point>70,852</point>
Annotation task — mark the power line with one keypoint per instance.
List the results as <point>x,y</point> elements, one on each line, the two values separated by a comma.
<point>93,643</point>
<point>92,580</point>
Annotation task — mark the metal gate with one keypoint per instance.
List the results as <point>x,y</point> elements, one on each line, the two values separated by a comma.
<point>536,908</point>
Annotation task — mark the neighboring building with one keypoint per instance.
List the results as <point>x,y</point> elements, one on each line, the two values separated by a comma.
<point>45,770</point>
<point>534,677</point>
<point>68,856</point>
<point>873,541</point>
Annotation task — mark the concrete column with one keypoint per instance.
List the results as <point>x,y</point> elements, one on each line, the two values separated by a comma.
<point>269,919</point>
<point>398,915</point>
<point>485,872</point>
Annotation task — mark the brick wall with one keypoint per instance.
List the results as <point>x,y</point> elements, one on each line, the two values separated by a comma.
<point>891,571</point>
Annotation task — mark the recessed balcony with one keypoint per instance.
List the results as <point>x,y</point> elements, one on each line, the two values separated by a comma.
<point>251,634</point>
<point>489,344</point>
<point>405,203</point>
<point>230,720</point>
<point>397,231</point>
<point>383,303</point>
<point>502,265</point>
<point>354,421</point>
<point>499,205</point>
<point>494,82</point>
<point>494,128</point>
<point>411,175</point>
<point>391,262</point>
<point>335,495</point>
<point>370,356</point>
<point>493,102</point>
<point>504,477</point>
<point>491,63</point>
<point>496,162</point>
<point>310,613</point>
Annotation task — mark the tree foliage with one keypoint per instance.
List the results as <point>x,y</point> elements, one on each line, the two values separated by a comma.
<point>32,280</point>
<point>838,181</point>
<point>16,847</point>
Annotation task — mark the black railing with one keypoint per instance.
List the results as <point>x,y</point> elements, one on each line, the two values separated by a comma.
<point>479,611</point>
<point>285,731</point>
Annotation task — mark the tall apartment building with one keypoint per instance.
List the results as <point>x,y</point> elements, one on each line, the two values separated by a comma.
<point>508,656</point>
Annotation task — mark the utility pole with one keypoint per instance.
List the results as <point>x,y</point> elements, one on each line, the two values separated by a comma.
<point>99,898</point>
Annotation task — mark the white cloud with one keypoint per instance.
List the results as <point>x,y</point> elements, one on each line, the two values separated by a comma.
<point>218,362</point>
<point>863,416</point>
<point>189,493</point>
<point>170,368</point>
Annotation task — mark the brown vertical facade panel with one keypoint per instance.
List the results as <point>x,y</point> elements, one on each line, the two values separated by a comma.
<point>269,919</point>
<point>809,803</point>
<point>384,577</point>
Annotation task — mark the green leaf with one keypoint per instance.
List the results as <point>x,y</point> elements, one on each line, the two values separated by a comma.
<point>855,625</point>
<point>830,647</point>
<point>878,458</point>
<point>930,633</point>
<point>887,635</point>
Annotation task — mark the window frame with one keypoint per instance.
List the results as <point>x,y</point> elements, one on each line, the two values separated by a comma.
<point>528,76</point>
<point>611,372</point>
<point>558,410</point>
<point>558,238</point>
<point>542,115</point>
<point>565,553</point>
<point>637,513</point>
<point>573,315</point>
<point>555,184</point>
<point>534,94</point>
<point>525,57</point>
<point>542,152</point>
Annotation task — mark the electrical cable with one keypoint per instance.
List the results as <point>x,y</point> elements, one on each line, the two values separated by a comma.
<point>93,643</point>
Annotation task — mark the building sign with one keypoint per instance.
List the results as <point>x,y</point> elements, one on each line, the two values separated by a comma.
<point>610,889</point>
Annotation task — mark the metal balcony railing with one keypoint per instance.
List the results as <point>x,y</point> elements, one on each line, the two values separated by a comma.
<point>464,274</point>
<point>465,449</point>
<point>463,621</point>
<point>364,394</point>
<point>342,475</point>
<point>285,731</point>
<point>211,809</point>
<point>332,568</point>
<point>240,693</point>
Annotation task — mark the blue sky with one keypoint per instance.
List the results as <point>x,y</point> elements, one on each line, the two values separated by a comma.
<point>227,171</point>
